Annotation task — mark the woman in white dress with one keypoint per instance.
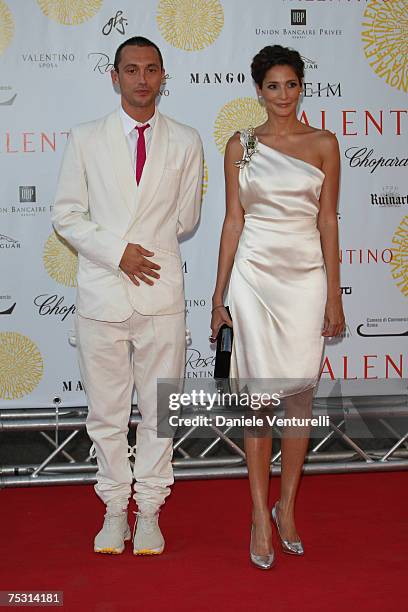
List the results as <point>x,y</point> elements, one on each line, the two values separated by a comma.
<point>279,252</point>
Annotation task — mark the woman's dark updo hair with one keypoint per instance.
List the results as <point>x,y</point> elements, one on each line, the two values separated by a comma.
<point>276,55</point>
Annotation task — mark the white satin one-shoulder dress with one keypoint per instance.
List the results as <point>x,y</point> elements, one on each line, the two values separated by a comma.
<point>277,289</point>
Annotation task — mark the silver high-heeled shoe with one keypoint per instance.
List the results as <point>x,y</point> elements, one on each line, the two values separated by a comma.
<point>261,561</point>
<point>292,548</point>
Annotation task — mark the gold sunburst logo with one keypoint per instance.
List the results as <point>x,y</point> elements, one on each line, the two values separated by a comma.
<point>70,12</point>
<point>385,35</point>
<point>6,26</point>
<point>60,261</point>
<point>399,261</point>
<point>237,115</point>
<point>190,25</point>
<point>205,177</point>
<point>21,365</point>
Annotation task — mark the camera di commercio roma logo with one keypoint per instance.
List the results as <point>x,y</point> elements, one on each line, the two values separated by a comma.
<point>6,26</point>
<point>190,25</point>
<point>70,12</point>
<point>237,115</point>
<point>21,365</point>
<point>60,261</point>
<point>384,35</point>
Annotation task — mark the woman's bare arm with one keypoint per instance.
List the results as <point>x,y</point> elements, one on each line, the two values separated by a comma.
<point>328,228</point>
<point>231,231</point>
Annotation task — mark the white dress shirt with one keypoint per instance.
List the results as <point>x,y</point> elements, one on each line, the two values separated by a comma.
<point>132,135</point>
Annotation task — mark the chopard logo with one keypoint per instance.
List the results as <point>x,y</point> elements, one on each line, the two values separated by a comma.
<point>362,157</point>
<point>53,305</point>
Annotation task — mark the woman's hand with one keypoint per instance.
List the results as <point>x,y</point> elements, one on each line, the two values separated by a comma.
<point>333,317</point>
<point>219,317</point>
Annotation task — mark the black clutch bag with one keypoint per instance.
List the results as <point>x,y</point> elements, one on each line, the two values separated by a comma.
<point>223,352</point>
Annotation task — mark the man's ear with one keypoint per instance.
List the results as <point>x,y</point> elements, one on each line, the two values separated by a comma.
<point>114,76</point>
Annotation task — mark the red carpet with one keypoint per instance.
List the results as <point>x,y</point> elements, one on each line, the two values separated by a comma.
<point>354,528</point>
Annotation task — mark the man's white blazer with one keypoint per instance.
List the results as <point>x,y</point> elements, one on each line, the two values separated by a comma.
<point>99,209</point>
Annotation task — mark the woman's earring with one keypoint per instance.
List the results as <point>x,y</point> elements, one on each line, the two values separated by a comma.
<point>261,100</point>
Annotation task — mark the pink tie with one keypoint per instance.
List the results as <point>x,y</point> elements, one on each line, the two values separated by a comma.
<point>140,151</point>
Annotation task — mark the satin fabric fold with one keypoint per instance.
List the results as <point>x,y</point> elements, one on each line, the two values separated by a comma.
<point>277,290</point>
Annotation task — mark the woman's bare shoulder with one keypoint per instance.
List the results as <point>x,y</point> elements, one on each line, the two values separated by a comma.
<point>233,145</point>
<point>324,141</point>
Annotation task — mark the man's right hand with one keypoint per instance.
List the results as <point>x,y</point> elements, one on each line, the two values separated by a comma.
<point>135,265</point>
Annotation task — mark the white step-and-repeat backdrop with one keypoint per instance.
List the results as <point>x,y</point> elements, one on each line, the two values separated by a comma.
<point>55,58</point>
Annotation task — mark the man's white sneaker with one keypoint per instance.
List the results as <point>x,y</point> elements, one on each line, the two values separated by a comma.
<point>148,539</point>
<point>115,531</point>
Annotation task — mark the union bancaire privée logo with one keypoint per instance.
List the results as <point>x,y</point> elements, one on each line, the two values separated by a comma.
<point>70,12</point>
<point>237,115</point>
<point>399,261</point>
<point>60,261</point>
<point>6,26</point>
<point>21,365</point>
<point>384,33</point>
<point>190,25</point>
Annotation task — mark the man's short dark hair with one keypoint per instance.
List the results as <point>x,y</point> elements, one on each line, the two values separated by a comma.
<point>136,41</point>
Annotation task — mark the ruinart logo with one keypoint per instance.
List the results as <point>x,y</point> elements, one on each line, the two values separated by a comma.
<point>190,25</point>
<point>6,26</point>
<point>70,12</point>
<point>399,262</point>
<point>21,365</point>
<point>237,115</point>
<point>384,35</point>
<point>389,198</point>
<point>60,261</point>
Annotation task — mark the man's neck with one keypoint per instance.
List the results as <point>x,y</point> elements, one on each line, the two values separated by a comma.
<point>142,115</point>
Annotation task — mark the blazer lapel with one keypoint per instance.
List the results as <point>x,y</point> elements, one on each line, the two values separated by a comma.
<point>153,168</point>
<point>122,161</point>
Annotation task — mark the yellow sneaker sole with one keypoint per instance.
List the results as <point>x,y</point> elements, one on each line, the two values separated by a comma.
<point>147,551</point>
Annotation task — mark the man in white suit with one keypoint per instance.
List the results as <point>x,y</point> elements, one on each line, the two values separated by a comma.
<point>129,187</point>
